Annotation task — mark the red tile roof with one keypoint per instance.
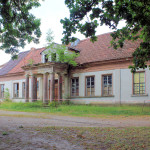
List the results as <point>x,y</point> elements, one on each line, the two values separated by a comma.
<point>89,52</point>
<point>12,63</point>
<point>33,55</point>
<point>101,50</point>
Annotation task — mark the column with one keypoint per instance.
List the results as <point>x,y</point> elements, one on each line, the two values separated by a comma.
<point>52,86</point>
<point>33,88</point>
<point>27,89</point>
<point>65,87</point>
<point>59,87</point>
<point>41,88</point>
<point>45,88</point>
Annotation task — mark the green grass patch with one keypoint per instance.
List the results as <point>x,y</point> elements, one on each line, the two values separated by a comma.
<point>134,138</point>
<point>79,110</point>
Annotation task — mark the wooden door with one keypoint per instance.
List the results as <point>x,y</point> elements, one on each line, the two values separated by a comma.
<point>55,90</point>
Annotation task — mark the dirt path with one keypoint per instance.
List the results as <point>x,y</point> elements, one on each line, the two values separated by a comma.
<point>20,130</point>
<point>11,118</point>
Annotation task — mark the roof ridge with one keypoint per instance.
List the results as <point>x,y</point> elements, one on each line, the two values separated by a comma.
<point>96,36</point>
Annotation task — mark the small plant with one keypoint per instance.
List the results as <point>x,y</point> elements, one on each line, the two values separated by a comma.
<point>7,95</point>
<point>30,62</point>
<point>54,104</point>
<point>20,126</point>
<point>4,133</point>
<point>67,102</point>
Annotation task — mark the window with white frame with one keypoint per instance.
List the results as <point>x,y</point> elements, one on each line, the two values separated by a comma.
<point>16,90</point>
<point>53,56</point>
<point>107,85</point>
<point>75,87</point>
<point>38,89</point>
<point>90,86</point>
<point>139,83</point>
<point>45,58</point>
<point>1,90</point>
<point>23,89</point>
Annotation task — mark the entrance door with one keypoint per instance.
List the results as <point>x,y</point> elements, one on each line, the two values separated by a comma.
<point>55,90</point>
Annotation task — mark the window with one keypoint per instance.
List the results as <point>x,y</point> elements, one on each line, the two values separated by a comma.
<point>53,57</point>
<point>16,90</point>
<point>75,87</point>
<point>1,90</point>
<point>107,85</point>
<point>139,83</point>
<point>23,89</point>
<point>38,89</point>
<point>45,58</point>
<point>90,86</point>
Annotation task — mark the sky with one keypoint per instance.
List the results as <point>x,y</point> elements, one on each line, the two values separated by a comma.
<point>50,12</point>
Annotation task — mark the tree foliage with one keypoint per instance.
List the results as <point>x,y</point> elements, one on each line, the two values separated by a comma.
<point>18,25</point>
<point>59,52</point>
<point>87,15</point>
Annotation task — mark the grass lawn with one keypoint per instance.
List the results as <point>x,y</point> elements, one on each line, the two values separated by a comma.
<point>104,138</point>
<point>79,110</point>
<point>67,137</point>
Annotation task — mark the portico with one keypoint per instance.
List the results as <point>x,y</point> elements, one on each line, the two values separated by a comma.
<point>48,73</point>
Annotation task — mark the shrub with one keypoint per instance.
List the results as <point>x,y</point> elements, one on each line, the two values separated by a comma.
<point>7,95</point>
<point>54,104</point>
<point>67,102</point>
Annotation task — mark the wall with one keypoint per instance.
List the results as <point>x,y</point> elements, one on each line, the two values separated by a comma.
<point>9,85</point>
<point>122,87</point>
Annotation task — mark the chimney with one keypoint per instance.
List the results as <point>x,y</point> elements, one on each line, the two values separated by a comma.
<point>75,43</point>
<point>32,48</point>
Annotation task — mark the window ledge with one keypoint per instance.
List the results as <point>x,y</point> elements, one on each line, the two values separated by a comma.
<point>139,95</point>
<point>91,96</point>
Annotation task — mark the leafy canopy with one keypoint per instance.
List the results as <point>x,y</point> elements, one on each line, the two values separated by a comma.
<point>18,25</point>
<point>87,15</point>
<point>59,53</point>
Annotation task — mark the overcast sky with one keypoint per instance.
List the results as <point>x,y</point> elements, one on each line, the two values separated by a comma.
<point>50,13</point>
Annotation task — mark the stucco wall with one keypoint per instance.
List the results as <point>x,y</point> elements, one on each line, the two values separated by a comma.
<point>9,85</point>
<point>122,87</point>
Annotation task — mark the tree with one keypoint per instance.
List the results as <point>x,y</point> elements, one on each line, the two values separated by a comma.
<point>59,52</point>
<point>18,25</point>
<point>110,12</point>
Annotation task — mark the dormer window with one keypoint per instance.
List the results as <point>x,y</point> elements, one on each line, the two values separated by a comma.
<point>53,57</point>
<point>45,58</point>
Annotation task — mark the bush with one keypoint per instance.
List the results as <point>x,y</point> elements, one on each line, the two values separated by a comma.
<point>54,104</point>
<point>67,102</point>
<point>7,95</point>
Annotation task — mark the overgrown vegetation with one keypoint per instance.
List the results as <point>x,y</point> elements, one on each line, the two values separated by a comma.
<point>66,108</point>
<point>59,52</point>
<point>7,95</point>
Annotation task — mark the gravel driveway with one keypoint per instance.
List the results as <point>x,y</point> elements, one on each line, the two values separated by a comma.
<point>12,118</point>
<point>20,127</point>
